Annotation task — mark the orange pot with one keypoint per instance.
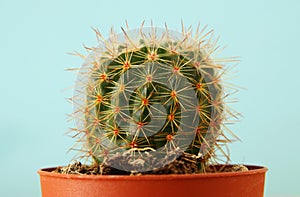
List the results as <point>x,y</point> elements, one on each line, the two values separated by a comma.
<point>234,184</point>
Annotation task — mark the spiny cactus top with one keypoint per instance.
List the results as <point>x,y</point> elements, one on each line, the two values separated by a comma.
<point>150,92</point>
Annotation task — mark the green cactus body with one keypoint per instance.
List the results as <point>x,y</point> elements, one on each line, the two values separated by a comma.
<point>152,95</point>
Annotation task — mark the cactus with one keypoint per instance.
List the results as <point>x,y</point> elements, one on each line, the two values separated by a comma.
<point>150,93</point>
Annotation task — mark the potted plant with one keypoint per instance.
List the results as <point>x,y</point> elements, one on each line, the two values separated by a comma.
<point>150,111</point>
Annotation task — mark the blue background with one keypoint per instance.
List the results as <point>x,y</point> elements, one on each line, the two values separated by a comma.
<point>36,35</point>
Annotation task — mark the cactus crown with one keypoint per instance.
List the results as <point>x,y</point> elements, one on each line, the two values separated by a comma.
<point>150,92</point>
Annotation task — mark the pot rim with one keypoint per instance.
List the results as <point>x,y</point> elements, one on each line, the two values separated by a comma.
<point>253,169</point>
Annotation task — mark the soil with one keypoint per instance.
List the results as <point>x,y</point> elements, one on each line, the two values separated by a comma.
<point>184,164</point>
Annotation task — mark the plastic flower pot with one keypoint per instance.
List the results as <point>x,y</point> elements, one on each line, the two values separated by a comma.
<point>224,184</point>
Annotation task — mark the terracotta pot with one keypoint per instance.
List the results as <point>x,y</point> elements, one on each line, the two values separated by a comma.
<point>233,184</point>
